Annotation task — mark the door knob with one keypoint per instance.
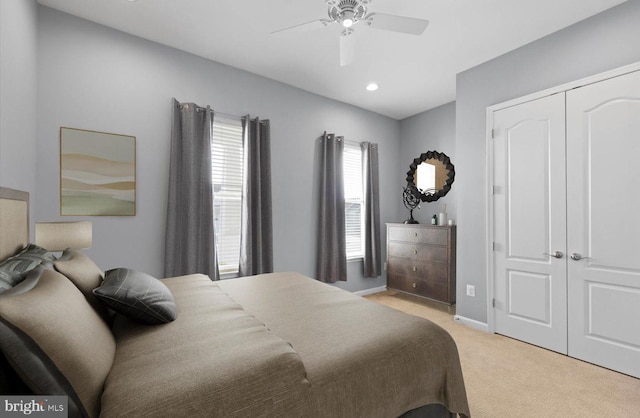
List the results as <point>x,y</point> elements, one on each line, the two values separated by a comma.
<point>577,257</point>
<point>555,254</point>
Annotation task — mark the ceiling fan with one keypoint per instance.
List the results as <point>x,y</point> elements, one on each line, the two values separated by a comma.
<point>349,13</point>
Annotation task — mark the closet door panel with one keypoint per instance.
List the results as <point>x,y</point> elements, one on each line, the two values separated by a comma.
<point>529,203</point>
<point>603,222</point>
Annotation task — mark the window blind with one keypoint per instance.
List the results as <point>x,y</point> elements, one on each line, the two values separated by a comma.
<point>353,194</point>
<point>227,167</point>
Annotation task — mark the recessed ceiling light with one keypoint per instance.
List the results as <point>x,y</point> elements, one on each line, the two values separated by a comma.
<point>372,87</point>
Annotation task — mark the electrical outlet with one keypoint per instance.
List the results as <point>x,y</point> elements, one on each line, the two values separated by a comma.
<point>471,290</point>
<point>385,266</point>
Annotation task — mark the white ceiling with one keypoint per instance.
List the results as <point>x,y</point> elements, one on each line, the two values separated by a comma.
<point>414,73</point>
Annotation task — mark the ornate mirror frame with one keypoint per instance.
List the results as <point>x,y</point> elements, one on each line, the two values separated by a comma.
<point>451,173</point>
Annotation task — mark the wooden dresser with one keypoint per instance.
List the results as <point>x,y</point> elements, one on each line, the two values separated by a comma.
<point>421,260</point>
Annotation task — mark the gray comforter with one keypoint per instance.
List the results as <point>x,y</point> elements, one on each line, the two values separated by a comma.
<point>280,345</point>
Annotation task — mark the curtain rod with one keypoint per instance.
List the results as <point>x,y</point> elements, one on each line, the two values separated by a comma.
<point>202,109</point>
<point>215,112</point>
<point>352,142</point>
<point>358,143</point>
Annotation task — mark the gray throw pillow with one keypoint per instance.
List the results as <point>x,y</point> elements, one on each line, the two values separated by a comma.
<point>138,296</point>
<point>14,269</point>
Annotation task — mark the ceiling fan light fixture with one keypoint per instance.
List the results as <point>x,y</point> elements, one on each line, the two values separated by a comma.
<point>347,12</point>
<point>348,19</point>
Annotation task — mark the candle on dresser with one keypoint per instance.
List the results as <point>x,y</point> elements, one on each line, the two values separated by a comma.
<point>442,217</point>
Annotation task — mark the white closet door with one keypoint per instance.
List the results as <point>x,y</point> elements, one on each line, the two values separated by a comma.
<point>603,222</point>
<point>529,224</point>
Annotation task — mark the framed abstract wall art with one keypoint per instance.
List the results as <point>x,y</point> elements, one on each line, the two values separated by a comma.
<point>97,173</point>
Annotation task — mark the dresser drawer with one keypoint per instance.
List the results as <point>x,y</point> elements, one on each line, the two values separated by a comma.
<point>418,252</point>
<point>435,236</point>
<point>418,286</point>
<point>409,268</point>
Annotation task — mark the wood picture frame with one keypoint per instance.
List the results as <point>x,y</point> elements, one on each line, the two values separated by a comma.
<point>97,173</point>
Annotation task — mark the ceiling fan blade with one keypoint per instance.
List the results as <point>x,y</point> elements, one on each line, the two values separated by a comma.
<point>347,47</point>
<point>305,27</point>
<point>394,23</point>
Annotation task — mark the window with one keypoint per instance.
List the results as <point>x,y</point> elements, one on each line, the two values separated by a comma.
<point>226,164</point>
<point>354,200</point>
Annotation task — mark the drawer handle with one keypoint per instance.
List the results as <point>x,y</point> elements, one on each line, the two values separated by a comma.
<point>415,252</point>
<point>414,285</point>
<point>414,268</point>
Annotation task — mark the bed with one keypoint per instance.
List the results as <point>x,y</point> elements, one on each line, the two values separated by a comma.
<point>273,345</point>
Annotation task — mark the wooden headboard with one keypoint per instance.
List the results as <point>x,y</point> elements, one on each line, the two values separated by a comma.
<point>14,236</point>
<point>14,221</point>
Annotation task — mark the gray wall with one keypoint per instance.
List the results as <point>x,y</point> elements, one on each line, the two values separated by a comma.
<point>93,77</point>
<point>603,42</point>
<point>433,130</point>
<point>18,59</point>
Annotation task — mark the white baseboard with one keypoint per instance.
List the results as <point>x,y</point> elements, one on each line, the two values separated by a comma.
<point>471,323</point>
<point>370,291</point>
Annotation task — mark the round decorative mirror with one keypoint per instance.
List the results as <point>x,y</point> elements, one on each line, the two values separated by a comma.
<point>432,174</point>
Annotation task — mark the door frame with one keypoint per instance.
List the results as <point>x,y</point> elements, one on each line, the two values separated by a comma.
<point>489,149</point>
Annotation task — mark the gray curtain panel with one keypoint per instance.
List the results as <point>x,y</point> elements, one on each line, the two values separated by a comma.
<point>190,238</point>
<point>332,253</point>
<point>372,252</point>
<point>256,242</point>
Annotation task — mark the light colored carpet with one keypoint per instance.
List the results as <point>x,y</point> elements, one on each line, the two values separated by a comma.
<point>508,378</point>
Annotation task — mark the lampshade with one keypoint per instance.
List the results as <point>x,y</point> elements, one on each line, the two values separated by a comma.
<point>58,236</point>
